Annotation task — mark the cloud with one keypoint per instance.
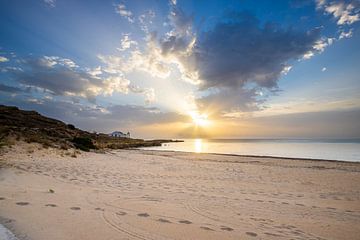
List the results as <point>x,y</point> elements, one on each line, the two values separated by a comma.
<point>345,12</point>
<point>146,19</point>
<point>239,51</point>
<point>50,3</point>
<point>180,21</point>
<point>178,44</point>
<point>3,59</point>
<point>126,43</point>
<point>150,61</point>
<point>122,10</point>
<point>9,89</point>
<point>239,58</point>
<point>53,60</point>
<point>149,93</point>
<point>347,34</point>
<point>235,53</point>
<point>63,77</point>
<point>229,100</point>
<point>160,55</point>
<point>318,47</point>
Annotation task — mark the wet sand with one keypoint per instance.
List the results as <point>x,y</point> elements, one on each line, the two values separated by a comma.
<point>137,194</point>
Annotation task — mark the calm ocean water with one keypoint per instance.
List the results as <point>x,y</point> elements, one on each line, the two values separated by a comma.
<point>346,150</point>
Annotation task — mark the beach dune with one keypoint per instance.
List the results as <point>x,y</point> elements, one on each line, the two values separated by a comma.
<point>138,194</point>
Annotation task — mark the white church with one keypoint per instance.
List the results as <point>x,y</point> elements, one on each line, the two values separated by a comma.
<point>120,134</point>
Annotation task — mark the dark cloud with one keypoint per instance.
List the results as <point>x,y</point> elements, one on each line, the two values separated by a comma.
<point>236,58</point>
<point>9,89</point>
<point>173,44</point>
<point>239,50</point>
<point>231,99</point>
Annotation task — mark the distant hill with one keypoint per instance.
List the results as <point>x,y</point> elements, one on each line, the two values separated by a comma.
<point>30,126</point>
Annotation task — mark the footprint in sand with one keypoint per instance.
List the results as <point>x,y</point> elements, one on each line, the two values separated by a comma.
<point>272,234</point>
<point>185,222</point>
<point>75,208</point>
<point>207,228</point>
<point>2,198</point>
<point>226,228</point>
<point>331,208</point>
<point>163,220</point>
<point>22,203</point>
<point>252,234</point>
<point>121,213</point>
<point>51,205</point>
<point>143,215</point>
<point>296,232</point>
<point>99,209</point>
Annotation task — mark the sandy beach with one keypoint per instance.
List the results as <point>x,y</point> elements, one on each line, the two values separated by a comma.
<point>138,194</point>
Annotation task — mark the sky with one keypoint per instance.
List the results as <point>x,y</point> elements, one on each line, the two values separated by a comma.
<point>186,69</point>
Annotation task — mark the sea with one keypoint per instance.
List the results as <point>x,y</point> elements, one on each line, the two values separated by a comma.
<point>323,149</point>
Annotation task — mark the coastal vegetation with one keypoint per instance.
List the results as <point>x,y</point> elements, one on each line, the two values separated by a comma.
<point>32,127</point>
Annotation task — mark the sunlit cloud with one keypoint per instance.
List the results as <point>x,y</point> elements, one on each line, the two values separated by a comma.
<point>347,34</point>
<point>344,12</point>
<point>124,12</point>
<point>319,47</point>
<point>3,59</point>
<point>126,43</point>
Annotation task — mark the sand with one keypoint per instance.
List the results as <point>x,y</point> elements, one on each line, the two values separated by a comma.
<point>138,194</point>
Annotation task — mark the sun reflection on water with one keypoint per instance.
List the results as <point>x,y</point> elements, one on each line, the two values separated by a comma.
<point>198,145</point>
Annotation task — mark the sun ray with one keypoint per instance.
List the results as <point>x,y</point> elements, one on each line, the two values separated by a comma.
<point>200,120</point>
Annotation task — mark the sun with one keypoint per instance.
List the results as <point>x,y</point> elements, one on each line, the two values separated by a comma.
<point>200,120</point>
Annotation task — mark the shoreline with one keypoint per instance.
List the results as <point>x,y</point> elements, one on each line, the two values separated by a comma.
<point>152,194</point>
<point>251,156</point>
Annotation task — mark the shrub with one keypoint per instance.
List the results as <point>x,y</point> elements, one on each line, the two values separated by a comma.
<point>70,126</point>
<point>83,143</point>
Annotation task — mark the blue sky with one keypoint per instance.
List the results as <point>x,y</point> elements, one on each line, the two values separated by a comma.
<point>186,68</point>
